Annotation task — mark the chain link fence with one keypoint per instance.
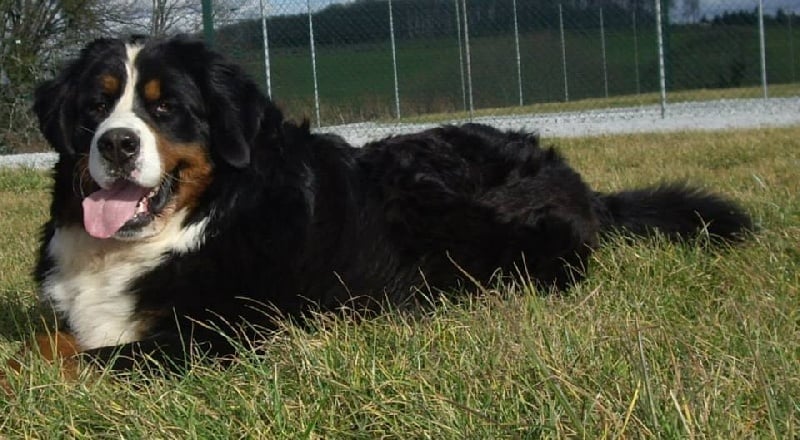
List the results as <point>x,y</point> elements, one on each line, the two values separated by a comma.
<point>340,62</point>
<point>346,62</point>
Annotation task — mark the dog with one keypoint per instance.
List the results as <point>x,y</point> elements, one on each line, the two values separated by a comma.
<point>184,204</point>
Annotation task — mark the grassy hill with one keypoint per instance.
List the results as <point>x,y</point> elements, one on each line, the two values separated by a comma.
<point>356,81</point>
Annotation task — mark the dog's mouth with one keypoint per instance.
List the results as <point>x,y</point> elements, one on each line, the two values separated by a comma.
<point>125,208</point>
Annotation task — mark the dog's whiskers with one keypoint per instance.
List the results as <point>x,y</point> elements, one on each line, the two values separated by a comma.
<point>80,175</point>
<point>178,179</point>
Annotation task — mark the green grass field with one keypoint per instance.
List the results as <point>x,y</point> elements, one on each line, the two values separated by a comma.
<point>660,341</point>
<point>356,81</point>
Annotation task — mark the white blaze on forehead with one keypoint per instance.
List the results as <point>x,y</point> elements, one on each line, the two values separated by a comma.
<point>125,103</point>
<point>147,170</point>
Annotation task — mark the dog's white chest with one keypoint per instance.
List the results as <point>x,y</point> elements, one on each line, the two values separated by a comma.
<point>89,286</point>
<point>90,283</point>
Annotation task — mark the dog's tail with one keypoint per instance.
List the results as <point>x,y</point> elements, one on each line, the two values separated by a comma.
<point>676,211</point>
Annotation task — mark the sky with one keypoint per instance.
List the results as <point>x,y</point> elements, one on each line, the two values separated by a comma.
<point>707,7</point>
<point>713,7</point>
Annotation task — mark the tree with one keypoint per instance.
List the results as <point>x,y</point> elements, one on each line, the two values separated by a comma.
<point>35,35</point>
<point>156,17</point>
<point>35,32</point>
<point>166,17</point>
<point>690,10</point>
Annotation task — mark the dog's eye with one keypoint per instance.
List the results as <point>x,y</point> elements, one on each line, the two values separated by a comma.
<point>162,109</point>
<point>100,107</point>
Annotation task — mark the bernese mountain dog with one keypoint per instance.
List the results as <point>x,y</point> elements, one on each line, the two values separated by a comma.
<point>187,212</point>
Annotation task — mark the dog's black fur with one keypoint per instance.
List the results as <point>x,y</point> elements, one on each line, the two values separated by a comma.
<point>298,221</point>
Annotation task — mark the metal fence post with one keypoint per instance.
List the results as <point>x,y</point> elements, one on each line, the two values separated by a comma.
<point>394,63</point>
<point>460,56</point>
<point>603,48</point>
<point>636,54</point>
<point>662,82</point>
<point>763,47</point>
<point>468,59</point>
<point>519,59</point>
<point>666,41</point>
<point>313,61</point>
<point>208,22</point>
<point>791,46</point>
<point>563,51</point>
<point>267,77</point>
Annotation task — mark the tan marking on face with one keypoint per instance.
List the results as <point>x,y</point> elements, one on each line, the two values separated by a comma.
<point>148,318</point>
<point>195,172</point>
<point>152,90</point>
<point>110,84</point>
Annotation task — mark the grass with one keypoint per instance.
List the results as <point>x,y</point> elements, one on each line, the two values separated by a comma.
<point>661,340</point>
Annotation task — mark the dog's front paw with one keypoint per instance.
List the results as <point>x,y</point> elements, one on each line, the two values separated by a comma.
<point>57,347</point>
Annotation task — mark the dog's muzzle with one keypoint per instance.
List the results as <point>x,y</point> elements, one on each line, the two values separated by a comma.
<point>119,147</point>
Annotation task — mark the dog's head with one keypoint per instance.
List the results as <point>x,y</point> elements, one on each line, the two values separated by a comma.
<point>145,125</point>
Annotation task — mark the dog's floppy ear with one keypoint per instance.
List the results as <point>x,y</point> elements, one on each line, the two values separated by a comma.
<point>236,107</point>
<point>52,104</point>
<point>55,99</point>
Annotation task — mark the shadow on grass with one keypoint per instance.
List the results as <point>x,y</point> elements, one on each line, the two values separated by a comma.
<point>20,318</point>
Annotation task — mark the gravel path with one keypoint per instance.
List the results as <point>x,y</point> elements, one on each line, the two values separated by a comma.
<point>707,115</point>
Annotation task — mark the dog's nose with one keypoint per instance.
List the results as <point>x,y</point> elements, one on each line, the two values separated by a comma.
<point>118,145</point>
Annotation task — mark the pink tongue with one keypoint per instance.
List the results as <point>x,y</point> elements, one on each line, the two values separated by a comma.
<point>106,210</point>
